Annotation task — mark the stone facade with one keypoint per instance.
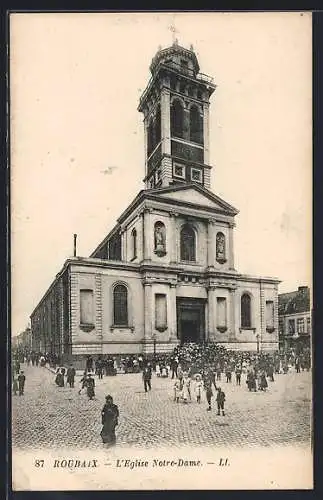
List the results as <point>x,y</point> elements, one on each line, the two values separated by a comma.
<point>165,274</point>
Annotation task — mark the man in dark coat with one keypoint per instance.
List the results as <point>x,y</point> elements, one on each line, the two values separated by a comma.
<point>110,415</point>
<point>173,366</point>
<point>71,376</point>
<point>90,384</point>
<point>220,398</point>
<point>238,371</point>
<point>21,383</point>
<point>89,364</point>
<point>146,376</point>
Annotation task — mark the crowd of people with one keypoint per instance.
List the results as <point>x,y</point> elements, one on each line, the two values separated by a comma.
<point>195,369</point>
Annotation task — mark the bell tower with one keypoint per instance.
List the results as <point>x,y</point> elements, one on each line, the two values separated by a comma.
<point>175,105</point>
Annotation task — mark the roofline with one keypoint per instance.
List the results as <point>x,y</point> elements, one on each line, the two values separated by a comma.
<point>85,261</point>
<point>104,241</point>
<point>55,280</point>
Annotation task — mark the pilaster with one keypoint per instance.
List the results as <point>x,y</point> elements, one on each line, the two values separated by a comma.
<point>232,315</point>
<point>148,304</point>
<point>231,249</point>
<point>211,294</point>
<point>98,306</point>
<point>211,243</point>
<point>206,132</point>
<point>148,234</point>
<point>165,120</point>
<point>173,239</point>
<point>262,314</point>
<point>172,312</point>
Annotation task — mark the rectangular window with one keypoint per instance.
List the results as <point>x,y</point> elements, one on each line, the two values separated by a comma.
<point>291,326</point>
<point>86,307</point>
<point>269,314</point>
<point>160,312</point>
<point>196,175</point>
<point>179,170</point>
<point>300,325</point>
<point>308,324</point>
<point>221,312</point>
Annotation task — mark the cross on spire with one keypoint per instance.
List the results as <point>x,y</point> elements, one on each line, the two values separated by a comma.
<point>173,29</point>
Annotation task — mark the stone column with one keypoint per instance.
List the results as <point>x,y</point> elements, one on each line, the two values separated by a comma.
<point>145,143</point>
<point>172,320</point>
<point>211,243</point>
<point>148,305</point>
<point>231,249</point>
<point>211,296</point>
<point>186,124</point>
<point>165,120</point>
<point>172,238</point>
<point>262,315</point>
<point>206,132</point>
<point>148,234</point>
<point>123,245</point>
<point>232,314</point>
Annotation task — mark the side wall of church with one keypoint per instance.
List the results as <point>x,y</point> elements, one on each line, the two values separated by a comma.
<point>100,335</point>
<point>258,333</point>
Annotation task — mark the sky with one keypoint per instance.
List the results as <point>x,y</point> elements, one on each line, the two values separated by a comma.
<point>77,139</point>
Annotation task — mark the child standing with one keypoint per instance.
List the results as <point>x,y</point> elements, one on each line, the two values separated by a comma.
<point>198,387</point>
<point>220,398</point>
<point>209,393</point>
<point>177,390</point>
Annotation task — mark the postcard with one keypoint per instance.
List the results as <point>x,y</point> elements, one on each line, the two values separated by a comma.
<point>160,179</point>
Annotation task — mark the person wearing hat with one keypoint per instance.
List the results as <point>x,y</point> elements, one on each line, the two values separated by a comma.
<point>109,415</point>
<point>146,376</point>
<point>90,384</point>
<point>208,392</point>
<point>220,398</point>
<point>71,376</point>
<point>21,383</point>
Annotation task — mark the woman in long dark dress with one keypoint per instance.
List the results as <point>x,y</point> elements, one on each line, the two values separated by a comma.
<point>110,414</point>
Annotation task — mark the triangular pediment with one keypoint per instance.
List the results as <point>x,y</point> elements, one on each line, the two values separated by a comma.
<point>196,196</point>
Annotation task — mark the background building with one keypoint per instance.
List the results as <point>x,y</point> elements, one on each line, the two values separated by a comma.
<point>165,273</point>
<point>23,341</point>
<point>295,323</point>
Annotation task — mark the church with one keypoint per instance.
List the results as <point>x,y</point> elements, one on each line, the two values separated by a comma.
<point>165,273</point>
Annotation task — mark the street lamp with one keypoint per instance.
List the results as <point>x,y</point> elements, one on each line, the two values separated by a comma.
<point>257,337</point>
<point>154,337</point>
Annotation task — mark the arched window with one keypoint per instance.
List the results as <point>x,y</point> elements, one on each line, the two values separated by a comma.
<point>157,126</point>
<point>220,248</point>
<point>188,244</point>
<point>134,243</point>
<point>177,117</point>
<point>245,311</point>
<point>120,305</point>
<point>196,125</point>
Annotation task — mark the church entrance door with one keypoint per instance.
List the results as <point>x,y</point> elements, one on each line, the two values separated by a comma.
<point>190,320</point>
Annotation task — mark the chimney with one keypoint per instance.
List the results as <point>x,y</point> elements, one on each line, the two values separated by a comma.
<point>75,238</point>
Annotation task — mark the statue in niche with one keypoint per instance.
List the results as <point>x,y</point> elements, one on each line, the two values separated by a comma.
<point>160,239</point>
<point>220,248</point>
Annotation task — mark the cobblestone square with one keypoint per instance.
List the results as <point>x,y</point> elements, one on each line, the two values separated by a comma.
<point>47,416</point>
